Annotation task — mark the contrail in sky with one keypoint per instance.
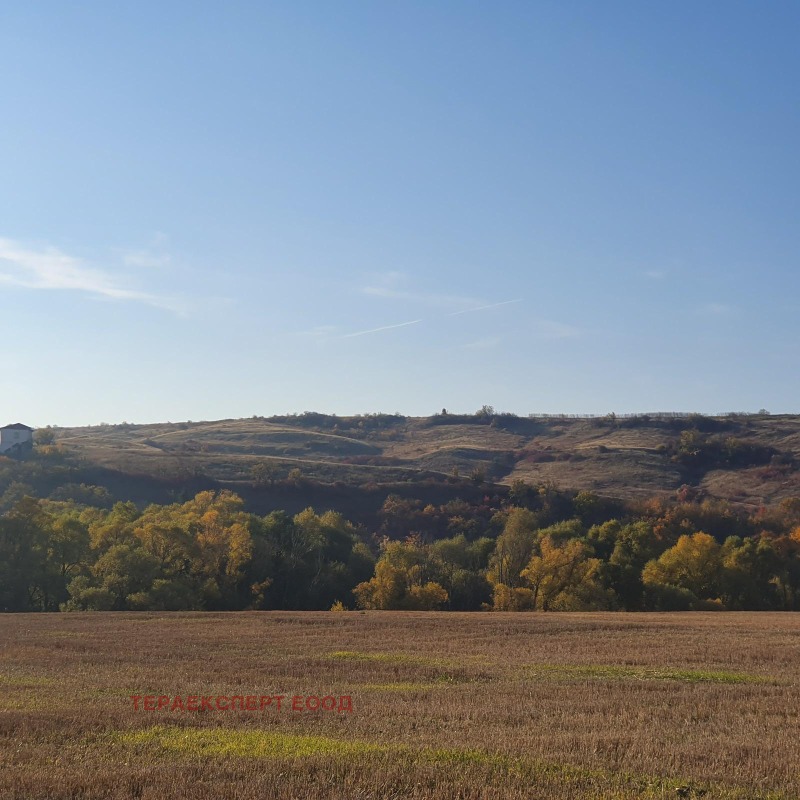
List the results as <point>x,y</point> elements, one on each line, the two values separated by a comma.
<point>415,321</point>
<point>384,328</point>
<point>482,308</point>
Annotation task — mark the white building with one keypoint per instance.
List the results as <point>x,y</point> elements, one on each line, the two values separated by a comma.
<point>16,437</point>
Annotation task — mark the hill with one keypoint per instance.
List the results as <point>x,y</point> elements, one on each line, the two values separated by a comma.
<point>746,459</point>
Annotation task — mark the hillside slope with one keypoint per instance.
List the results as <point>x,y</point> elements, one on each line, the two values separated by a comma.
<point>749,459</point>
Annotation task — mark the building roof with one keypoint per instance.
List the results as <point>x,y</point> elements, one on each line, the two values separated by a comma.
<point>17,426</point>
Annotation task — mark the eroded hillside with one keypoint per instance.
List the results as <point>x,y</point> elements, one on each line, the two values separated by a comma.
<point>748,459</point>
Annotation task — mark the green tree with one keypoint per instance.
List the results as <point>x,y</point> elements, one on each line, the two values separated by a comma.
<point>513,549</point>
<point>749,567</point>
<point>123,570</point>
<point>624,549</point>
<point>264,473</point>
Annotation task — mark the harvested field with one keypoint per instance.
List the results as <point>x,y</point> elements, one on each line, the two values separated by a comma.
<point>443,705</point>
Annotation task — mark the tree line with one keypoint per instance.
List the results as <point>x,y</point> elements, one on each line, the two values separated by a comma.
<point>534,548</point>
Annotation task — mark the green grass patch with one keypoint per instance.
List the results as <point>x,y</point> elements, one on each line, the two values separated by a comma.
<point>109,694</point>
<point>235,743</point>
<point>204,742</point>
<point>460,756</point>
<point>24,679</point>
<point>616,672</point>
<point>26,701</point>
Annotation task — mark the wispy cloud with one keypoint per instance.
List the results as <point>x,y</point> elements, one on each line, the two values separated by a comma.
<point>441,299</point>
<point>483,308</point>
<point>383,328</point>
<point>48,268</point>
<point>655,274</point>
<point>487,343</point>
<point>545,328</point>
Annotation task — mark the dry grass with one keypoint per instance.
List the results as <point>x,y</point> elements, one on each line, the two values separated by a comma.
<point>573,453</point>
<point>444,706</point>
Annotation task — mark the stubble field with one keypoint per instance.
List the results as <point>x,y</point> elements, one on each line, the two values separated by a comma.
<point>547,706</point>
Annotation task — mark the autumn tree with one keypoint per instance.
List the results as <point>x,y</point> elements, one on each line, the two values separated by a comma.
<point>513,551</point>
<point>693,565</point>
<point>564,577</point>
<point>402,580</point>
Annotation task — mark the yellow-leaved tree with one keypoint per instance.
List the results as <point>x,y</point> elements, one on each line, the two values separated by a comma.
<point>693,567</point>
<point>564,577</point>
<point>401,580</point>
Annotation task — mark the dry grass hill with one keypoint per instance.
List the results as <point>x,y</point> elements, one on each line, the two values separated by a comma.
<point>748,459</point>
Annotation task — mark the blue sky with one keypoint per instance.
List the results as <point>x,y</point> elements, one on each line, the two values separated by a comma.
<point>213,210</point>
